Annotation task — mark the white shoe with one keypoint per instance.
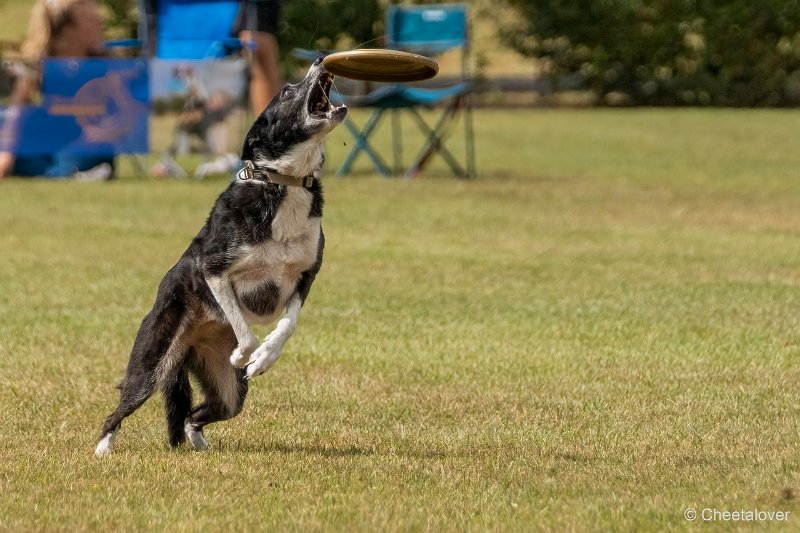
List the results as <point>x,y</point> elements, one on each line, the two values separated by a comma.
<point>223,164</point>
<point>101,172</point>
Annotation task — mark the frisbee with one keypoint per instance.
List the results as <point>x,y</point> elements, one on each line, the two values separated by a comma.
<point>378,64</point>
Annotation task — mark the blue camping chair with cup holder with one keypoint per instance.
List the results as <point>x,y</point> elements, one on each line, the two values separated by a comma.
<point>199,80</point>
<point>428,30</point>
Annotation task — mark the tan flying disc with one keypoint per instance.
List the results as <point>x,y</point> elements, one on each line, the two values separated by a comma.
<point>378,64</point>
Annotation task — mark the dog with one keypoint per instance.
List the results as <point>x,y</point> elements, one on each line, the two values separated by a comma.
<point>256,256</point>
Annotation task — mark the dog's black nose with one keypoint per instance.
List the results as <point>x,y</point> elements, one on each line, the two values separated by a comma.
<point>318,61</point>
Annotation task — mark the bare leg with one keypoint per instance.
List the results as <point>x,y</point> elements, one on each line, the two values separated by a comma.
<point>266,79</point>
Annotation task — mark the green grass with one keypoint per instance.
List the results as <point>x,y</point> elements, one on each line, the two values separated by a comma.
<point>600,332</point>
<point>14,16</point>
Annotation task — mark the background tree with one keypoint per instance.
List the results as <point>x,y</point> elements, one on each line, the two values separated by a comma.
<point>327,24</point>
<point>122,17</point>
<point>721,52</point>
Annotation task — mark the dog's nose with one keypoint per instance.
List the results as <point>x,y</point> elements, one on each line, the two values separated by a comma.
<point>318,61</point>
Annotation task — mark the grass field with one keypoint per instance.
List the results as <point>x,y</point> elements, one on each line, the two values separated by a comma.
<point>599,333</point>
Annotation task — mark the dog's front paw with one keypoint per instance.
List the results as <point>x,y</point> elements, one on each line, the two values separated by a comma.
<point>241,355</point>
<point>238,359</point>
<point>263,358</point>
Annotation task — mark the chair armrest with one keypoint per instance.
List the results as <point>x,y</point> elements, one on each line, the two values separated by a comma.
<point>226,47</point>
<point>124,43</point>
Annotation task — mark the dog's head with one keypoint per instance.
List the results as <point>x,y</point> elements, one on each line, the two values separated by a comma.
<point>287,136</point>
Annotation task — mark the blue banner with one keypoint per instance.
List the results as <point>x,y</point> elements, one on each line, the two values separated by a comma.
<point>89,106</point>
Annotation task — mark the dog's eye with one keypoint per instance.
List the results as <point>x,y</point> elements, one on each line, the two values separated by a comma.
<point>287,92</point>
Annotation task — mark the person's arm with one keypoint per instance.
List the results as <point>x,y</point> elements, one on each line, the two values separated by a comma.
<point>6,164</point>
<point>21,94</point>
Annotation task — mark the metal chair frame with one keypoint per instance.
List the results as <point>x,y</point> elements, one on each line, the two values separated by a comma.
<point>403,98</point>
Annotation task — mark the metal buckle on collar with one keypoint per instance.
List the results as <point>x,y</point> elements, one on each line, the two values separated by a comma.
<point>246,172</point>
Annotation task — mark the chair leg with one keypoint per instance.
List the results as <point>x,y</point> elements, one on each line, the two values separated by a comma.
<point>362,144</point>
<point>469,134</point>
<point>397,142</point>
<point>435,144</point>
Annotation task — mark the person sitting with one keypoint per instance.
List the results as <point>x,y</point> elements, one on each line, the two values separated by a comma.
<point>58,28</point>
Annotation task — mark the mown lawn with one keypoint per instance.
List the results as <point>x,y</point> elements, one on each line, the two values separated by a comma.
<point>600,332</point>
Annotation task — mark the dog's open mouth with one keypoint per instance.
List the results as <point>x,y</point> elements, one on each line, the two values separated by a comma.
<point>319,104</point>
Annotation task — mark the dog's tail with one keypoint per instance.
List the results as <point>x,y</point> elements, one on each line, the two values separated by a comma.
<point>177,404</point>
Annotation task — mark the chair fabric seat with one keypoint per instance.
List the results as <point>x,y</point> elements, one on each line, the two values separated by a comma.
<point>194,29</point>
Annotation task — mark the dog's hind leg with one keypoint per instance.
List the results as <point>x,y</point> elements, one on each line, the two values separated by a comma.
<point>137,387</point>
<point>157,352</point>
<point>224,390</point>
<point>177,404</point>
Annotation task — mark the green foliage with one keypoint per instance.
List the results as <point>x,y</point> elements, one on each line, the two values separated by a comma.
<point>741,53</point>
<point>121,17</point>
<point>321,24</point>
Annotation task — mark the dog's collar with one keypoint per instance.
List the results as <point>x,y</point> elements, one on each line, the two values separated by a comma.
<point>250,172</point>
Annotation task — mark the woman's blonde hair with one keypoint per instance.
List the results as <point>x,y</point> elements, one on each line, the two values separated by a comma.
<point>48,17</point>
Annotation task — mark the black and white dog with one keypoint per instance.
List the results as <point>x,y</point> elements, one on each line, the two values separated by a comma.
<point>257,255</point>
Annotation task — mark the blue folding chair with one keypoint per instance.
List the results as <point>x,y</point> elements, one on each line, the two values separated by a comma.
<point>196,59</point>
<point>427,30</point>
<point>189,29</point>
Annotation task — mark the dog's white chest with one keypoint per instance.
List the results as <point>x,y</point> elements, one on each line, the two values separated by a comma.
<point>292,221</point>
<point>265,276</point>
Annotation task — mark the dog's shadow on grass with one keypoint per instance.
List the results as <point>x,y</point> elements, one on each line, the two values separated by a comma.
<point>322,450</point>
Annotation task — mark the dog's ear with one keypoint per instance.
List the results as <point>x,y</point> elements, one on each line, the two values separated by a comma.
<point>247,147</point>
<point>253,137</point>
<point>258,136</point>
